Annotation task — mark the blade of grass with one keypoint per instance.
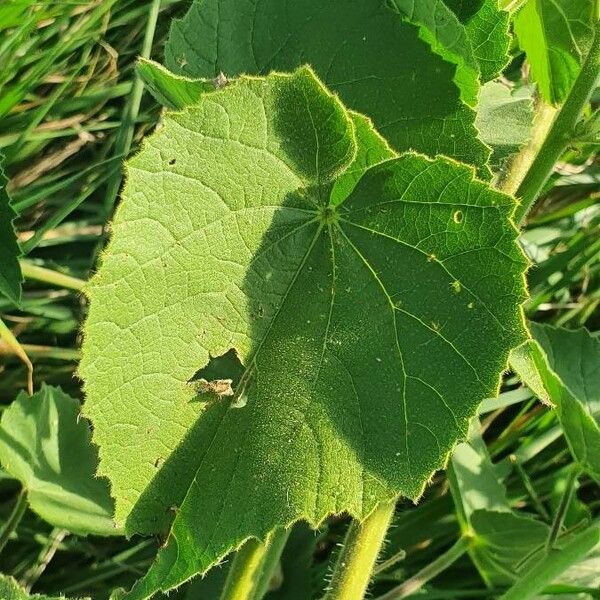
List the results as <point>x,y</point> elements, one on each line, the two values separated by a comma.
<point>126,130</point>
<point>31,271</point>
<point>7,337</point>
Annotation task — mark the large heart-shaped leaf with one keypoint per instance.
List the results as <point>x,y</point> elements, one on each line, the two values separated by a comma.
<point>46,446</point>
<point>10,271</point>
<point>368,328</point>
<point>404,76</point>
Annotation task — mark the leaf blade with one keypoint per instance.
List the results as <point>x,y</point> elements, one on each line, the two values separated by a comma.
<point>297,294</point>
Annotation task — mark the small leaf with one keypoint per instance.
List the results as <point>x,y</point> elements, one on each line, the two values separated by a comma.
<point>556,36</point>
<point>501,537</point>
<point>362,49</point>
<point>11,590</point>
<point>503,540</point>
<point>563,366</point>
<point>10,271</point>
<point>487,27</point>
<point>504,119</point>
<point>46,446</point>
<point>170,90</point>
<point>368,330</point>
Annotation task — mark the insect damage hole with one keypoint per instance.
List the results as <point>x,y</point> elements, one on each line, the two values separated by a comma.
<point>219,379</point>
<point>458,216</point>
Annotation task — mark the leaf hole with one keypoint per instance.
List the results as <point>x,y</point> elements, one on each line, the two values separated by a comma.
<point>219,378</point>
<point>458,216</point>
<point>172,161</point>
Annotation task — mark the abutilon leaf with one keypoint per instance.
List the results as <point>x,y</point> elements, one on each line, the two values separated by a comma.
<point>409,77</point>
<point>46,446</point>
<point>487,27</point>
<point>357,326</point>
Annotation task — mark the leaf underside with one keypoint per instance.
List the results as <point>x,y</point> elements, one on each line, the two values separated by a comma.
<point>362,50</point>
<point>10,271</point>
<point>369,327</point>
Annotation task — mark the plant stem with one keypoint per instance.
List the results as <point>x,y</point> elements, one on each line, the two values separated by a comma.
<point>275,546</point>
<point>253,567</point>
<point>521,163</point>
<point>543,572</point>
<point>37,351</point>
<point>441,563</point>
<point>14,518</point>
<point>561,131</point>
<point>31,271</point>
<point>352,572</point>
<point>537,503</point>
<point>561,512</point>
<point>390,562</point>
<point>125,135</point>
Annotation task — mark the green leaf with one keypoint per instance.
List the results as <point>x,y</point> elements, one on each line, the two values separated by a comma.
<point>502,541</point>
<point>363,50</point>
<point>542,572</point>
<point>371,149</point>
<point>440,28</point>
<point>170,90</point>
<point>226,245</point>
<point>46,446</point>
<point>11,590</point>
<point>10,271</point>
<point>563,367</point>
<point>501,537</point>
<point>487,29</point>
<point>556,36</point>
<point>585,573</point>
<point>504,119</point>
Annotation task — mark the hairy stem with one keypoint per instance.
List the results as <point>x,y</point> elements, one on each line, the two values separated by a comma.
<point>253,567</point>
<point>560,132</point>
<point>441,563</point>
<point>521,162</point>
<point>14,518</point>
<point>352,572</point>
